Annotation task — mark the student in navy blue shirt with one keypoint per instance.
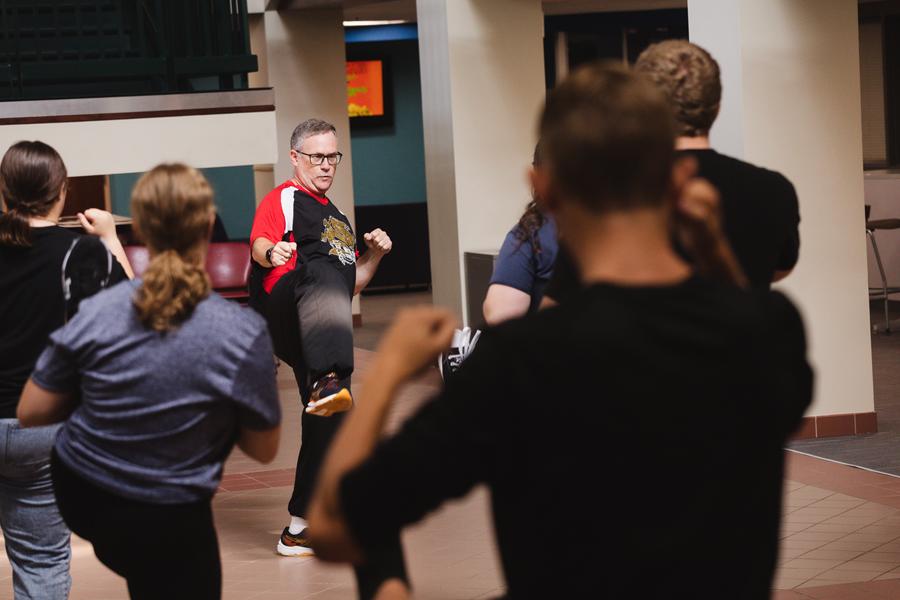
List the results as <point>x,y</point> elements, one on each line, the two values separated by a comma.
<point>524,265</point>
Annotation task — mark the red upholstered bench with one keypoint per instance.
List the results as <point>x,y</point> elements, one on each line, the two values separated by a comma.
<point>227,263</point>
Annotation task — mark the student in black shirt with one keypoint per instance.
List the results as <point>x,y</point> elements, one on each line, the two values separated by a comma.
<point>639,417</point>
<point>760,212</point>
<point>44,271</point>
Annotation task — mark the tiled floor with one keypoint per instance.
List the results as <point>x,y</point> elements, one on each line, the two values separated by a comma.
<point>840,540</point>
<point>879,451</point>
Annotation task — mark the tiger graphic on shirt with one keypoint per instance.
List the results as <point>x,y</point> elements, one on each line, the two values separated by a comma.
<point>338,235</point>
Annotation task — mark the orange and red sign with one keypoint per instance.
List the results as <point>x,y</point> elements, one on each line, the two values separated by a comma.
<point>365,88</point>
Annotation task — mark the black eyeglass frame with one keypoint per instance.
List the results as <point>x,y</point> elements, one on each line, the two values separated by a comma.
<point>337,156</point>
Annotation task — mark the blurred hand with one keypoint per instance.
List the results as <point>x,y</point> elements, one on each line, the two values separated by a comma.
<point>415,339</point>
<point>378,241</point>
<point>698,225</point>
<point>98,222</point>
<point>699,202</point>
<point>282,252</point>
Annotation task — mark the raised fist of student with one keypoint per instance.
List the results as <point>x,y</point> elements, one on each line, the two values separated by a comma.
<point>98,222</point>
<point>378,241</point>
<point>415,339</point>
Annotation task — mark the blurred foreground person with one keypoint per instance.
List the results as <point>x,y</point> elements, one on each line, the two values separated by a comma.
<point>45,270</point>
<point>689,387</point>
<point>156,380</point>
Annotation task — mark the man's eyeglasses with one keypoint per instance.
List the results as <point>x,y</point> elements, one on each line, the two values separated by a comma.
<point>318,159</point>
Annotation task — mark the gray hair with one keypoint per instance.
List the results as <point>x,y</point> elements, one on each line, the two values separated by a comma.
<point>309,128</point>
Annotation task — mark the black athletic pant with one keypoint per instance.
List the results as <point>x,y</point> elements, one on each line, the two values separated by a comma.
<point>164,551</point>
<point>311,322</point>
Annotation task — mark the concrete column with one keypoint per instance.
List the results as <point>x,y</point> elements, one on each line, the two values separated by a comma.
<point>482,66</point>
<point>792,103</point>
<point>307,67</point>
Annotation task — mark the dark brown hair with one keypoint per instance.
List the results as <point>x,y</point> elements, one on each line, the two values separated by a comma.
<point>608,138</point>
<point>32,177</point>
<point>689,77</point>
<point>172,208</point>
<point>532,219</point>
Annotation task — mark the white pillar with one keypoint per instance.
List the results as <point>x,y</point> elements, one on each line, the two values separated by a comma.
<point>792,103</point>
<point>482,66</point>
<point>306,62</point>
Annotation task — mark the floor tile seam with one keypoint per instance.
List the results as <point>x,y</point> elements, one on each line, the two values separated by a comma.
<point>826,520</point>
<point>871,501</point>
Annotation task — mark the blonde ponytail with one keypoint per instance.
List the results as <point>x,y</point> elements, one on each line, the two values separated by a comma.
<point>173,210</point>
<point>170,289</point>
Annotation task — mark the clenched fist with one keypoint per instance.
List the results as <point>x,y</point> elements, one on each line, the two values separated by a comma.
<point>378,241</point>
<point>282,252</point>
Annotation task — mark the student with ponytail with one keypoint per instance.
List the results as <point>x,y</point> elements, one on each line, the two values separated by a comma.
<point>169,376</point>
<point>44,271</point>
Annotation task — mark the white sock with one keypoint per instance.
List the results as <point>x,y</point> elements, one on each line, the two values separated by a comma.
<point>297,525</point>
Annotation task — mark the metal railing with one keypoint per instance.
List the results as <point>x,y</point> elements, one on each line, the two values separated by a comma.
<point>80,48</point>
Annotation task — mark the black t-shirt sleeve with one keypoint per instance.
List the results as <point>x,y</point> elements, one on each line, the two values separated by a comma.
<point>117,273</point>
<point>449,446</point>
<point>565,281</point>
<point>790,251</point>
<point>792,373</point>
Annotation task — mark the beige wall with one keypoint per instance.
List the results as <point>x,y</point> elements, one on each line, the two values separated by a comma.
<point>307,68</point>
<point>136,145</point>
<point>799,113</point>
<point>482,66</point>
<point>306,64</point>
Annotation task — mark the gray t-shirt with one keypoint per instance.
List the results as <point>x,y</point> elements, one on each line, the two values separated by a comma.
<point>159,412</point>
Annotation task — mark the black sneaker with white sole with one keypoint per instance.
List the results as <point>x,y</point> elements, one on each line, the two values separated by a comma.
<point>290,544</point>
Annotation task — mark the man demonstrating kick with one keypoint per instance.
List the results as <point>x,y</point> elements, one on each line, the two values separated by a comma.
<point>304,249</point>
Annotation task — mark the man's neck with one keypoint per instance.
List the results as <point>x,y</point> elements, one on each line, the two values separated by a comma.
<point>630,248</point>
<point>700,142</point>
<point>308,189</point>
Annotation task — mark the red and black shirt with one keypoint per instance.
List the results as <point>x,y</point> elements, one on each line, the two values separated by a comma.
<point>292,213</point>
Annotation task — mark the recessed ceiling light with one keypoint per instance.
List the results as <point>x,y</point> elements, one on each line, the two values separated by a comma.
<point>373,23</point>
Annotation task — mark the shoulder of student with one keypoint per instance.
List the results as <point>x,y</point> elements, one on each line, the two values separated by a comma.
<point>231,319</point>
<point>772,180</point>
